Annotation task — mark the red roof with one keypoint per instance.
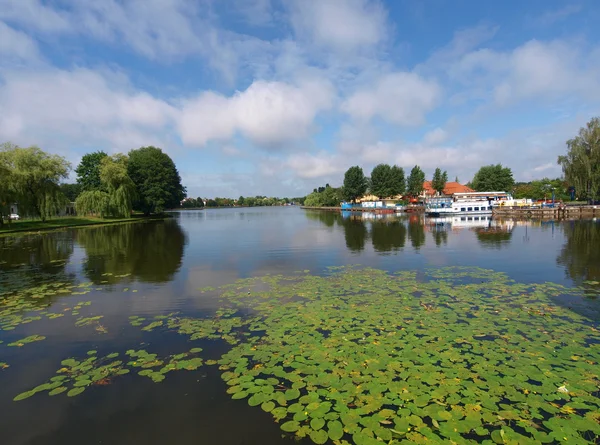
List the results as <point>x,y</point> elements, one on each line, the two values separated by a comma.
<point>450,188</point>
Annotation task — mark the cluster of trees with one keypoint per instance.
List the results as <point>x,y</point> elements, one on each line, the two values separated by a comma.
<point>145,179</point>
<point>324,197</point>
<point>581,164</point>
<point>542,189</point>
<point>389,181</point>
<point>32,178</point>
<point>192,203</point>
<point>386,181</point>
<point>249,201</point>
<point>493,178</point>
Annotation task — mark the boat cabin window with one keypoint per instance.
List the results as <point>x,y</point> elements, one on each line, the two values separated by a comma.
<point>490,208</point>
<point>462,209</point>
<point>469,219</point>
<point>470,209</point>
<point>476,208</point>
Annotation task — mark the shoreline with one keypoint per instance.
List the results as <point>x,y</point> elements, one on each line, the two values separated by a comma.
<point>57,224</point>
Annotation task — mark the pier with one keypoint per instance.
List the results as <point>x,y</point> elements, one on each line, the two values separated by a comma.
<point>558,212</point>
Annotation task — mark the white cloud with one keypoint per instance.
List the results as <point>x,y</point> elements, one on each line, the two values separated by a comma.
<point>401,98</point>
<point>320,165</point>
<point>536,70</point>
<point>463,42</point>
<point>17,44</point>
<point>267,113</point>
<point>436,136</point>
<point>343,25</point>
<point>34,14</point>
<point>255,12</point>
<point>551,17</point>
<point>81,107</point>
<point>546,70</point>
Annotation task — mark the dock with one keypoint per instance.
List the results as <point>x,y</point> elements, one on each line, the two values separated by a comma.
<point>558,212</point>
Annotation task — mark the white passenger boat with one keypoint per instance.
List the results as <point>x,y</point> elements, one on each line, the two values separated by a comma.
<point>473,203</point>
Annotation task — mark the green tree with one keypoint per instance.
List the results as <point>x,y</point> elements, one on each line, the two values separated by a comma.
<point>34,178</point>
<point>355,184</point>
<point>93,202</point>
<point>157,181</point>
<point>71,191</point>
<point>581,164</point>
<point>382,181</point>
<point>314,199</point>
<point>241,201</point>
<point>398,186</point>
<point>540,188</point>
<point>332,197</point>
<point>88,171</point>
<point>120,187</point>
<point>414,183</point>
<point>7,195</point>
<point>200,202</point>
<point>438,183</point>
<point>493,178</point>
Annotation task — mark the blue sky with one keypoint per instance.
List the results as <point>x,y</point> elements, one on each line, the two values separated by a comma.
<point>276,97</point>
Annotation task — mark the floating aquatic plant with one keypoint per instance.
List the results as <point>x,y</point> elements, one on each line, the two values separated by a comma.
<point>457,355</point>
<point>76,375</point>
<point>452,355</point>
<point>24,341</point>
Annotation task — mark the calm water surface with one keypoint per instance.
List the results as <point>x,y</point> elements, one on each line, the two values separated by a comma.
<point>157,268</point>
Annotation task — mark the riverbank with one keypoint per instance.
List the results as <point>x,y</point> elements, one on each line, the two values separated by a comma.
<point>68,222</point>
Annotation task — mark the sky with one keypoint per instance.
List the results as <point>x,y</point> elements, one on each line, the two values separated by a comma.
<point>277,97</point>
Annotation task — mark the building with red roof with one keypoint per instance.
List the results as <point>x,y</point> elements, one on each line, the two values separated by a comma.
<point>450,189</point>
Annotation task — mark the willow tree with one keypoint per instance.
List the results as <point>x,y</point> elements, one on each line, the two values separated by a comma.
<point>581,164</point>
<point>92,202</point>
<point>6,194</point>
<point>34,178</point>
<point>120,187</point>
<point>117,200</point>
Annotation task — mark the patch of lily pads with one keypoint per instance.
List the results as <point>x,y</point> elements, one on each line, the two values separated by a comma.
<point>361,356</point>
<point>77,375</point>
<point>23,304</point>
<point>457,355</point>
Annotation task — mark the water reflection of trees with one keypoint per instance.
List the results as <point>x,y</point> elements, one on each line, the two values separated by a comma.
<point>580,255</point>
<point>355,232</point>
<point>416,232</point>
<point>150,251</point>
<point>493,237</point>
<point>440,237</point>
<point>27,262</point>
<point>39,253</point>
<point>388,236</point>
<point>327,218</point>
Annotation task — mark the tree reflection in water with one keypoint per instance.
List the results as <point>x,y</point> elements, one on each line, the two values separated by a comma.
<point>416,231</point>
<point>388,235</point>
<point>355,231</point>
<point>151,251</point>
<point>580,255</point>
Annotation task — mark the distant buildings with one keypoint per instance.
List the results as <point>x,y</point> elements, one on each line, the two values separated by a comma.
<point>450,189</point>
<point>428,192</point>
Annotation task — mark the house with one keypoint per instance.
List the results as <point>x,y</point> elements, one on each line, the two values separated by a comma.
<point>450,189</point>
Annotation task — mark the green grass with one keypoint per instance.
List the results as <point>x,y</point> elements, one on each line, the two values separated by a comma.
<point>35,225</point>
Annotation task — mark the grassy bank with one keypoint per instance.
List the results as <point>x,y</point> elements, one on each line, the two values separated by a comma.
<point>36,225</point>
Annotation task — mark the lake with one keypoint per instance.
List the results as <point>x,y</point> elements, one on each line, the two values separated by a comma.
<point>393,327</point>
